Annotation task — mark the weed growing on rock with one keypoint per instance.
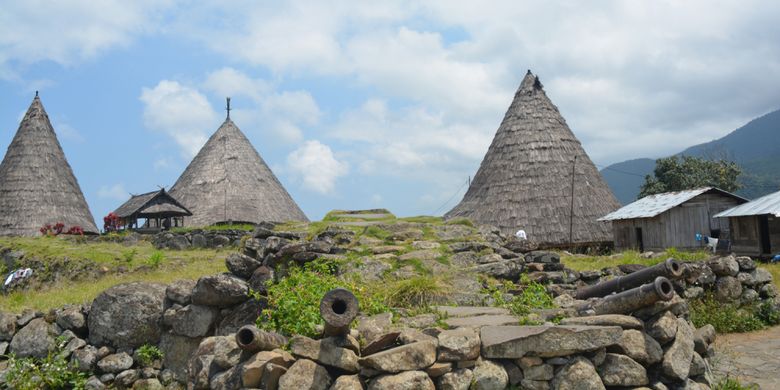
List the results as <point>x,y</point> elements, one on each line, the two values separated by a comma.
<point>768,313</point>
<point>147,354</point>
<point>725,317</point>
<point>155,259</point>
<point>129,255</point>
<point>730,383</point>
<point>51,372</point>
<point>533,296</point>
<point>419,291</point>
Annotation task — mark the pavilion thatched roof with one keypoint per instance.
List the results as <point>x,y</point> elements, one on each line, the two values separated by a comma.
<point>525,179</point>
<point>37,185</point>
<point>152,203</point>
<point>229,181</point>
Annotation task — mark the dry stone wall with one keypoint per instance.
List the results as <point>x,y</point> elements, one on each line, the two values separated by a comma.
<point>194,324</point>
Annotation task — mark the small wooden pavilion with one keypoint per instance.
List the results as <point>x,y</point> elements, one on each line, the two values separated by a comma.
<point>755,226</point>
<point>160,210</point>
<point>672,219</point>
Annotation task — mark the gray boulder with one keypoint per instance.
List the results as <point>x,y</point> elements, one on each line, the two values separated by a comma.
<point>579,374</point>
<point>623,321</point>
<point>305,374</point>
<point>71,318</point>
<point>728,288</point>
<point>638,346</point>
<point>241,265</point>
<point>761,276</point>
<point>36,339</point>
<point>724,266</point>
<point>409,380</point>
<point>115,363</point>
<point>84,359</point>
<point>677,358</point>
<point>180,292</point>
<point>459,379</point>
<point>621,370</point>
<point>222,290</point>
<point>325,352</point>
<point>508,342</point>
<point>489,375</point>
<point>127,315</point>
<point>260,278</point>
<point>745,263</point>
<point>347,382</point>
<point>506,269</point>
<point>235,317</point>
<point>7,326</point>
<point>662,328</point>
<point>414,356</point>
<point>192,320</point>
<point>177,351</point>
<point>458,344</point>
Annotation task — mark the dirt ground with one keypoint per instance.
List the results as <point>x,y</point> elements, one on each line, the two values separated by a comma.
<point>751,357</point>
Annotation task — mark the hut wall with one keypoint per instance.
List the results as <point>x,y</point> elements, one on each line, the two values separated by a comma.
<point>745,237</point>
<point>678,226</point>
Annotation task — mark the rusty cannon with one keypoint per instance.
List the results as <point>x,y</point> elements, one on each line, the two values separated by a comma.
<point>628,301</point>
<point>670,269</point>
<point>251,339</point>
<point>338,308</point>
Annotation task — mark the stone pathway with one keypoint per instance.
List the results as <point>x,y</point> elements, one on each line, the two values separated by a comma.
<point>750,357</point>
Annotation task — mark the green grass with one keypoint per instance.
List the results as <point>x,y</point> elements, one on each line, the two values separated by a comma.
<point>423,219</point>
<point>732,318</point>
<point>774,269</point>
<point>594,263</point>
<point>730,383</point>
<point>417,292</point>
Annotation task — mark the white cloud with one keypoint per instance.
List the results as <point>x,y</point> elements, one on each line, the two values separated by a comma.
<point>181,112</point>
<point>114,192</point>
<point>316,166</point>
<point>71,31</point>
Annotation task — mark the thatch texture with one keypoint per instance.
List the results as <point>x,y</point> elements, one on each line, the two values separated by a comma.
<point>37,185</point>
<point>229,181</point>
<point>525,179</point>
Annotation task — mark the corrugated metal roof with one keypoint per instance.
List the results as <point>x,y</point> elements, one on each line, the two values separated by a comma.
<point>767,204</point>
<point>652,205</point>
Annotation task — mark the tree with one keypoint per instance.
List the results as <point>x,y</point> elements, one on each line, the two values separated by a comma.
<point>678,174</point>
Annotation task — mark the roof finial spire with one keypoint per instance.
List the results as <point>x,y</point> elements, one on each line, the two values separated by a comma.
<point>36,93</point>
<point>228,108</point>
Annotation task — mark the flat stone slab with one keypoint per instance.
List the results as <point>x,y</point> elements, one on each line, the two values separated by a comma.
<point>471,311</point>
<point>625,322</point>
<point>364,216</point>
<point>480,321</point>
<point>514,342</point>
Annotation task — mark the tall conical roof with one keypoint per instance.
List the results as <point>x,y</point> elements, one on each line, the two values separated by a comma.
<point>525,179</point>
<point>229,181</point>
<point>37,185</point>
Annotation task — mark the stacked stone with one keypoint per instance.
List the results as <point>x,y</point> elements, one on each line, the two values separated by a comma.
<point>198,239</point>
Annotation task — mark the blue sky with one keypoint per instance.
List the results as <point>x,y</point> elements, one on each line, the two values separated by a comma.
<point>374,104</point>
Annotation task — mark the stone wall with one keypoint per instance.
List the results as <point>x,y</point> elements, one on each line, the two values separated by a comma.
<point>194,324</point>
<point>196,239</point>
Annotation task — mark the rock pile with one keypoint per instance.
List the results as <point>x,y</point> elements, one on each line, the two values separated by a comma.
<point>198,239</point>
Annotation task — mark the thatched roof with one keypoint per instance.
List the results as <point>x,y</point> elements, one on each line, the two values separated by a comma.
<point>229,181</point>
<point>152,204</point>
<point>525,179</point>
<point>37,185</point>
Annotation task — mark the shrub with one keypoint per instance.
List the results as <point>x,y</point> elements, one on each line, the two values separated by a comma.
<point>417,292</point>
<point>155,259</point>
<point>768,313</point>
<point>730,383</point>
<point>147,354</point>
<point>533,296</point>
<point>52,372</point>
<point>725,317</point>
<point>294,300</point>
<point>111,223</point>
<point>129,255</point>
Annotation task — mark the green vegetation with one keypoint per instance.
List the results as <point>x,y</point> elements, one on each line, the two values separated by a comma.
<point>294,300</point>
<point>533,296</point>
<point>460,221</point>
<point>147,354</point>
<point>52,372</point>
<point>732,318</point>
<point>129,255</point>
<point>377,232</point>
<point>730,383</point>
<point>418,292</point>
<point>155,259</point>
<point>688,172</point>
<point>423,219</point>
<point>591,263</point>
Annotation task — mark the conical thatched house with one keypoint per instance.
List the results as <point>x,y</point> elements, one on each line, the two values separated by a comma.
<point>525,180</point>
<point>37,186</point>
<point>228,181</point>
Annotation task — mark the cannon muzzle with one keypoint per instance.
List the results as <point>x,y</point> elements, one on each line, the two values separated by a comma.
<point>628,301</point>
<point>338,308</point>
<point>251,339</point>
<point>670,269</point>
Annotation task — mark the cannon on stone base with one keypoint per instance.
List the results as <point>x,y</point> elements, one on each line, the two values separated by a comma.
<point>338,308</point>
<point>628,301</point>
<point>251,339</point>
<point>670,269</point>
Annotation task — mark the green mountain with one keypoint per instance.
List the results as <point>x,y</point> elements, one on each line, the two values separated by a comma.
<point>754,147</point>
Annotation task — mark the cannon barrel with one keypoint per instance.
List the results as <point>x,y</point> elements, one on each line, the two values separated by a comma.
<point>338,308</point>
<point>251,339</point>
<point>670,269</point>
<point>628,301</point>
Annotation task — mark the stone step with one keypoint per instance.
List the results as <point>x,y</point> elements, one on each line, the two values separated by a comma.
<point>482,320</point>
<point>471,311</point>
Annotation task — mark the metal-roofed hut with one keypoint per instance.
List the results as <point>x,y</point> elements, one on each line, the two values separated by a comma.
<point>672,219</point>
<point>37,185</point>
<point>537,177</point>
<point>228,181</point>
<point>755,226</point>
<point>158,208</point>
